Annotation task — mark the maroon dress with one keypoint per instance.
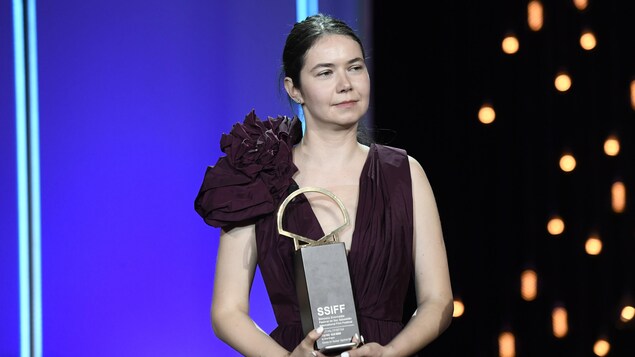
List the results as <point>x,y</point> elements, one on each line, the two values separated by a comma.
<point>240,190</point>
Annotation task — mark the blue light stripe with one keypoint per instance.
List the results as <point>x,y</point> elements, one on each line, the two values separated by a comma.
<point>304,8</point>
<point>22,178</point>
<point>34,155</point>
<point>28,178</point>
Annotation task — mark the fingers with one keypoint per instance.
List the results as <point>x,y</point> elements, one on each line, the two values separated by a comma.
<point>311,337</point>
<point>358,340</point>
<point>355,339</point>
<point>315,334</point>
<point>307,346</point>
<point>309,342</point>
<point>369,349</point>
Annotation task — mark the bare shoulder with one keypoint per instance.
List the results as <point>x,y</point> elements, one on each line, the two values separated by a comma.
<point>416,170</point>
<point>421,187</point>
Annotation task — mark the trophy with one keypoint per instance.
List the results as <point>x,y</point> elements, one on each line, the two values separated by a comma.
<point>323,282</point>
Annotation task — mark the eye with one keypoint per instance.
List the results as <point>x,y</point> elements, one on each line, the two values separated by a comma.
<point>324,73</point>
<point>357,68</point>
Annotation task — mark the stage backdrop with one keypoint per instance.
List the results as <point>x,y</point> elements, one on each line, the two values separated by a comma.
<point>134,96</point>
<point>9,295</point>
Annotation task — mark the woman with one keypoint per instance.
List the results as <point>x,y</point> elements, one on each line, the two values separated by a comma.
<point>394,232</point>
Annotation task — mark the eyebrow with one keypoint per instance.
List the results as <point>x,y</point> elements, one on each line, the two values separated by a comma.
<point>330,65</point>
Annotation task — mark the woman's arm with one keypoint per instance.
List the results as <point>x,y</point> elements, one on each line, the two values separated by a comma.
<point>432,278</point>
<point>235,267</point>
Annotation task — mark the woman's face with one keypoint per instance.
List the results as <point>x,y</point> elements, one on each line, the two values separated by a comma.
<point>335,82</point>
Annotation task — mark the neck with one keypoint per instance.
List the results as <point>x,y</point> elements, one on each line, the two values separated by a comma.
<point>328,149</point>
<point>332,165</point>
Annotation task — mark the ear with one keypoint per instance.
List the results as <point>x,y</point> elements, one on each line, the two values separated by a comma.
<point>292,90</point>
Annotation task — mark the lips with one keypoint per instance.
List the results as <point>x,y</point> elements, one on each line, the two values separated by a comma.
<point>346,102</point>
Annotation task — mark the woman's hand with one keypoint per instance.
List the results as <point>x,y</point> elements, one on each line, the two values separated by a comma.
<point>306,347</point>
<point>371,349</point>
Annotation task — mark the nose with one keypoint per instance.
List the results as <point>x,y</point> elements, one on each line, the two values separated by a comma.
<point>344,84</point>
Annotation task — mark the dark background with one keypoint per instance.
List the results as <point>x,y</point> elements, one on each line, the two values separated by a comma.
<point>498,184</point>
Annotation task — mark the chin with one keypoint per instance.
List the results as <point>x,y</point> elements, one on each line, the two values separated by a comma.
<point>350,118</point>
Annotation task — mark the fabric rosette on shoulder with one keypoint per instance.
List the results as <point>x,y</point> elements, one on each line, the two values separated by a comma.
<point>254,175</point>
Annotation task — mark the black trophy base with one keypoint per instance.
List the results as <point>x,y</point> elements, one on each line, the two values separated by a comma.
<point>325,296</point>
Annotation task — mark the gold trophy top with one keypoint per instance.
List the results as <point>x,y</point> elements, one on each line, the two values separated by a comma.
<point>328,238</point>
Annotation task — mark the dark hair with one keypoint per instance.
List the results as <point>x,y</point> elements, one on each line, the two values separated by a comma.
<point>303,36</point>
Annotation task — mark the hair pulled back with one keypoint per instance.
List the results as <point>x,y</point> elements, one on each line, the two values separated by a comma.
<point>303,36</point>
